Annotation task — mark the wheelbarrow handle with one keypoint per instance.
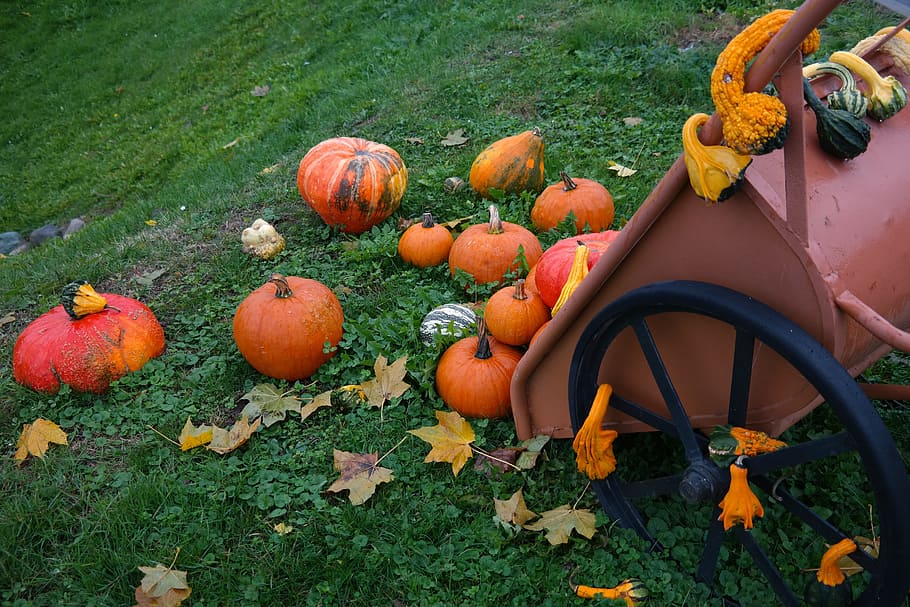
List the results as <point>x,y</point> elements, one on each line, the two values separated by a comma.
<point>872,321</point>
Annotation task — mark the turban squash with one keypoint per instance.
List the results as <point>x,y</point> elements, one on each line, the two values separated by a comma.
<point>86,342</point>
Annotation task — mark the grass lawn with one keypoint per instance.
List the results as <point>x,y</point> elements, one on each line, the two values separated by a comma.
<point>170,127</point>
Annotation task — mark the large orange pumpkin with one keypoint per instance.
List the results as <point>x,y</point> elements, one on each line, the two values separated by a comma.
<point>353,184</point>
<point>86,342</point>
<point>589,201</point>
<point>474,375</point>
<point>512,164</point>
<point>556,262</point>
<point>489,251</point>
<point>288,327</point>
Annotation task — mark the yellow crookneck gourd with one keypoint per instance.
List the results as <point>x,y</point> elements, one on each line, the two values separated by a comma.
<point>898,47</point>
<point>886,95</point>
<point>753,123</point>
<point>715,171</point>
<point>576,275</point>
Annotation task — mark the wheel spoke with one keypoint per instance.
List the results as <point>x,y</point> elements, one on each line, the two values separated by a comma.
<point>767,568</point>
<point>713,543</point>
<point>792,456</point>
<point>659,371</point>
<point>652,419</point>
<point>664,485</point>
<point>741,379</point>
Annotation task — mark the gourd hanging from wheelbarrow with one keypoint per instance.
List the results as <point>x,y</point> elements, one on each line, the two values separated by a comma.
<point>750,314</point>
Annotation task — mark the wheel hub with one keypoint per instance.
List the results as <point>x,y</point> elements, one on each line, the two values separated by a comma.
<point>700,482</point>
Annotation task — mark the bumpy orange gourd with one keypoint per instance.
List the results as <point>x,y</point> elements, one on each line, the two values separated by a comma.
<point>474,375</point>
<point>513,314</point>
<point>353,184</point>
<point>556,262</point>
<point>489,251</point>
<point>753,123</point>
<point>589,201</point>
<point>86,342</point>
<point>512,164</point>
<point>288,327</point>
<point>426,243</point>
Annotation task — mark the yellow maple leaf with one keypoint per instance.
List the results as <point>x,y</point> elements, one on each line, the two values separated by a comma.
<point>451,439</point>
<point>359,475</point>
<point>36,437</point>
<point>622,171</point>
<point>560,522</point>
<point>389,381</point>
<point>320,400</point>
<point>513,510</point>
<point>194,436</point>
<point>162,587</point>
<point>225,441</point>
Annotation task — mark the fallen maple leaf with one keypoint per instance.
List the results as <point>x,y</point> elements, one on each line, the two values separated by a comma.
<point>454,138</point>
<point>225,441</point>
<point>36,437</point>
<point>194,436</point>
<point>388,383</point>
<point>359,475</point>
<point>621,170</point>
<point>533,448</point>
<point>270,403</point>
<point>283,528</point>
<point>260,91</point>
<point>451,439</point>
<point>162,586</point>
<point>560,522</point>
<point>502,459</point>
<point>513,510</point>
<point>320,400</point>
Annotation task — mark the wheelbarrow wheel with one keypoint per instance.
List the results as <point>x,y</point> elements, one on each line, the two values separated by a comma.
<point>859,433</point>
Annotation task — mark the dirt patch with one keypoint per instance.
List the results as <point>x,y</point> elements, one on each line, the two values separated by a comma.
<point>713,28</point>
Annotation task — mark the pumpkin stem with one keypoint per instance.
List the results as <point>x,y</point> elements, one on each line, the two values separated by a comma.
<point>428,220</point>
<point>282,288</point>
<point>495,221</point>
<point>520,292</point>
<point>568,184</point>
<point>830,573</point>
<point>483,341</point>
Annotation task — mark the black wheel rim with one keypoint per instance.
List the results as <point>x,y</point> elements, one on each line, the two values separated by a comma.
<point>864,433</point>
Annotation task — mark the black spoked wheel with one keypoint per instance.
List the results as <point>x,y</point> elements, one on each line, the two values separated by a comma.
<point>793,482</point>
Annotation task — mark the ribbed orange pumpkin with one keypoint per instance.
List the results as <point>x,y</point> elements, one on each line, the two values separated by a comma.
<point>488,251</point>
<point>426,243</point>
<point>353,184</point>
<point>86,342</point>
<point>282,327</point>
<point>589,201</point>
<point>474,375</point>
<point>513,314</point>
<point>556,262</point>
<point>512,164</point>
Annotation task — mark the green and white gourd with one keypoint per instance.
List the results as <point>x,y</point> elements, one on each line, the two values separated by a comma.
<point>848,97</point>
<point>448,319</point>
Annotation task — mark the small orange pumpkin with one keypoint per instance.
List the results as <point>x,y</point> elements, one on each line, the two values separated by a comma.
<point>86,342</point>
<point>512,164</point>
<point>589,201</point>
<point>283,327</point>
<point>513,314</point>
<point>489,251</point>
<point>353,184</point>
<point>474,375</point>
<point>426,243</point>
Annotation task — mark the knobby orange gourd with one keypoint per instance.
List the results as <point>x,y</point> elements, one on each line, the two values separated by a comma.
<point>593,444</point>
<point>753,123</point>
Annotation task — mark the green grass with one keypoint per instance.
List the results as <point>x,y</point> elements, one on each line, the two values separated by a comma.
<point>124,113</point>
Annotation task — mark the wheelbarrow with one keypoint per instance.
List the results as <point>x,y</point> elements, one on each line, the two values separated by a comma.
<point>755,312</point>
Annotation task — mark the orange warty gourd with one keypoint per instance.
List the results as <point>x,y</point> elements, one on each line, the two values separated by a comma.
<point>474,375</point>
<point>589,201</point>
<point>489,251</point>
<point>426,243</point>
<point>512,164</point>
<point>353,184</point>
<point>513,314</point>
<point>88,341</point>
<point>556,262</point>
<point>283,328</point>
